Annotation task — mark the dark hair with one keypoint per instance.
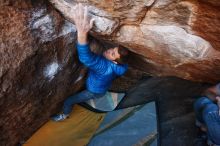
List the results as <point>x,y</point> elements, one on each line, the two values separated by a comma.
<point>212,92</point>
<point>123,55</point>
<point>123,52</point>
<point>218,89</point>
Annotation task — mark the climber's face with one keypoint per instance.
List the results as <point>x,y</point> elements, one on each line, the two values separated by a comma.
<point>213,92</point>
<point>112,54</point>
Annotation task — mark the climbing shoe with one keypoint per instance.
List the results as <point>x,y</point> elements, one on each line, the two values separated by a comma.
<point>59,117</point>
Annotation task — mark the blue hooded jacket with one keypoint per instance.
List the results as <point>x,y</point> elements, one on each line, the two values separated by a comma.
<point>101,70</point>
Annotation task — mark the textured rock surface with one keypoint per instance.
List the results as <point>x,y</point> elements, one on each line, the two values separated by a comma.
<point>38,67</point>
<point>176,38</point>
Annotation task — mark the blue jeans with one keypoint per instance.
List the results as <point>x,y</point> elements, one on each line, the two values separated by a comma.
<point>77,98</point>
<point>207,113</point>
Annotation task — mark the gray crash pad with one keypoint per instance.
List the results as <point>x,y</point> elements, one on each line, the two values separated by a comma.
<point>127,127</point>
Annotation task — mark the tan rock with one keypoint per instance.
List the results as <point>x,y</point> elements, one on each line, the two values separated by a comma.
<point>174,35</point>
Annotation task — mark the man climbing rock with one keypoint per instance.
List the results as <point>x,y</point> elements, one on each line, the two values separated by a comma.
<point>102,68</point>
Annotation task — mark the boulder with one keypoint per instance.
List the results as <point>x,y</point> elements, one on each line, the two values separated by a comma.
<point>38,67</point>
<point>174,38</point>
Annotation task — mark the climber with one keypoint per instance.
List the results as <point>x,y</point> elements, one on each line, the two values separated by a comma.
<point>102,68</point>
<point>207,110</point>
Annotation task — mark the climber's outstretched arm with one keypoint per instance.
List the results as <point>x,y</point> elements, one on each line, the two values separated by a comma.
<point>83,22</point>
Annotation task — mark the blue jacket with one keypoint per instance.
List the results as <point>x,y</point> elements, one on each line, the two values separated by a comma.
<point>101,70</point>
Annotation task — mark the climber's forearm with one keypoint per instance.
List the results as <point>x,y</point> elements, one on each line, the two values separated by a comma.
<point>82,37</point>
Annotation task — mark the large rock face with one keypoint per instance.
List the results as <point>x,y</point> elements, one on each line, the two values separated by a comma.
<point>39,65</point>
<point>176,38</point>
